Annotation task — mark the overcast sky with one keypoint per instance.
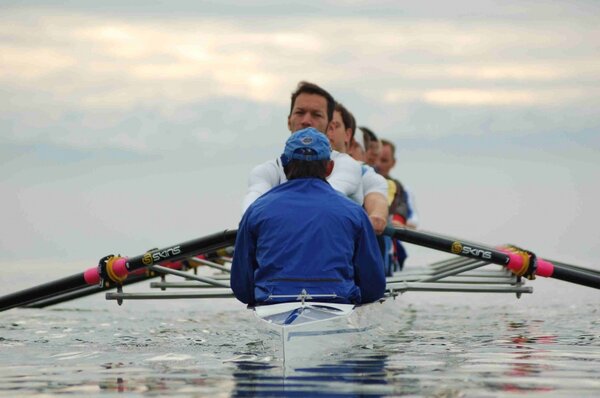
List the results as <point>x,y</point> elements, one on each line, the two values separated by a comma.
<point>126,126</point>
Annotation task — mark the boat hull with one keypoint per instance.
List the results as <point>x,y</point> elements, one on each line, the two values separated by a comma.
<point>309,331</point>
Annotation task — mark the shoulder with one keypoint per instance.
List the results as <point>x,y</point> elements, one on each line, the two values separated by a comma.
<point>270,170</point>
<point>344,203</point>
<point>261,179</point>
<point>345,168</point>
<point>346,176</point>
<point>372,181</point>
<point>368,171</point>
<point>259,207</point>
<point>345,162</point>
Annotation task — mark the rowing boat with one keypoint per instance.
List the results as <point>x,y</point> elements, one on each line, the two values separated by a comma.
<point>309,330</point>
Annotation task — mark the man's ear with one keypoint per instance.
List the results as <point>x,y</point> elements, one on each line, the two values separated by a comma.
<point>329,168</point>
<point>289,124</point>
<point>348,138</point>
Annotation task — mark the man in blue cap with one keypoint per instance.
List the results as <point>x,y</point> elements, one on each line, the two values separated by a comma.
<point>303,235</point>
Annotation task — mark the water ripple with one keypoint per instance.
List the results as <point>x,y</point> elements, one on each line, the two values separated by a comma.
<point>434,351</point>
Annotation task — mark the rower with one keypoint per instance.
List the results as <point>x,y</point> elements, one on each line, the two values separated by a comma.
<point>403,212</point>
<point>312,106</point>
<point>304,236</point>
<point>402,209</point>
<point>357,142</point>
<point>372,146</point>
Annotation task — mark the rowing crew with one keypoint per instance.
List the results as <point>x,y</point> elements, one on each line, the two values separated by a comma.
<point>299,231</point>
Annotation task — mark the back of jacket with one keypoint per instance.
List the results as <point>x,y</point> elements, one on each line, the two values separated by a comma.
<point>303,235</point>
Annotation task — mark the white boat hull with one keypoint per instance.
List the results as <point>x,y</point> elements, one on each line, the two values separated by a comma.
<point>298,332</point>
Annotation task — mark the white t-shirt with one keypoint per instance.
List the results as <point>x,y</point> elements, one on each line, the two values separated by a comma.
<point>348,177</point>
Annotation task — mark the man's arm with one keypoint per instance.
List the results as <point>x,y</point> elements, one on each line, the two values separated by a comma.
<point>346,177</point>
<point>368,264</point>
<point>377,208</point>
<point>244,264</point>
<point>375,188</point>
<point>261,179</point>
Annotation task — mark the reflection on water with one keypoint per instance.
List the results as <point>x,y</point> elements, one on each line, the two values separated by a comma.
<point>360,377</point>
<point>436,351</point>
<point>494,353</point>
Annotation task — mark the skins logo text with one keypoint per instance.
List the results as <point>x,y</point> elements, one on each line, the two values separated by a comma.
<point>458,248</point>
<point>154,257</point>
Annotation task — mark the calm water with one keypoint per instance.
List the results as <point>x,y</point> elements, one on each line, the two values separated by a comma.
<point>438,345</point>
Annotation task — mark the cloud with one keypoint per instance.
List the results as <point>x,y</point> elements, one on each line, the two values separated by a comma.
<point>114,116</point>
<point>502,97</point>
<point>120,80</point>
<point>32,63</point>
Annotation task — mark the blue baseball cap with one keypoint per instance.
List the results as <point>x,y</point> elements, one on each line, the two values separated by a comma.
<point>306,144</point>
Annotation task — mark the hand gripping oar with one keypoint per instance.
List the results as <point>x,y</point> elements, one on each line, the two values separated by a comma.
<point>114,270</point>
<point>520,262</point>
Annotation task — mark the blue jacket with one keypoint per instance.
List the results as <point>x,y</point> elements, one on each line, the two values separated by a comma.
<point>305,235</point>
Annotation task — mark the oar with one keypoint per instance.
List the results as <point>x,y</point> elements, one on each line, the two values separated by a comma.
<point>520,262</point>
<point>85,291</point>
<point>114,269</point>
<point>135,277</point>
<point>575,267</point>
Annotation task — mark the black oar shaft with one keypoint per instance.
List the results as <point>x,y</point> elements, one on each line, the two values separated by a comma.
<point>183,250</point>
<point>516,262</point>
<point>42,291</point>
<point>66,286</point>
<point>576,276</point>
<point>448,245</point>
<point>83,292</point>
<point>576,268</point>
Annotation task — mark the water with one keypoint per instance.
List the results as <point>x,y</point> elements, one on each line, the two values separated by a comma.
<point>440,345</point>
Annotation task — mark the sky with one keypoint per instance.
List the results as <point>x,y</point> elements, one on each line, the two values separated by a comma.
<point>126,125</point>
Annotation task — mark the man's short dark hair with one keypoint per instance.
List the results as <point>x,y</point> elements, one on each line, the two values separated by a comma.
<point>306,169</point>
<point>368,136</point>
<point>311,88</point>
<point>347,117</point>
<point>391,145</point>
